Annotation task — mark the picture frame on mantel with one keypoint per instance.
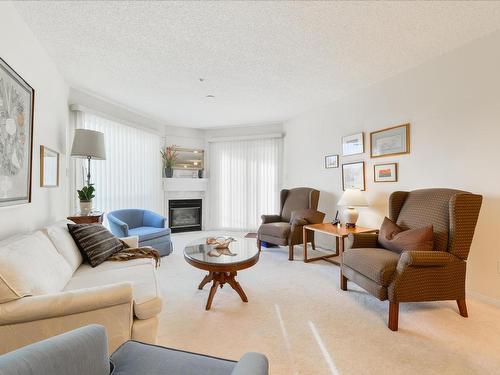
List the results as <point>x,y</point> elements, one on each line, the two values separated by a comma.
<point>390,141</point>
<point>353,176</point>
<point>17,100</point>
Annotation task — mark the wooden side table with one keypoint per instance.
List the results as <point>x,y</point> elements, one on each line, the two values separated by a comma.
<point>95,217</point>
<point>339,232</point>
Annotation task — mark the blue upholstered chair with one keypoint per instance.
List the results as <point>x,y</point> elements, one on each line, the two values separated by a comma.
<point>149,226</point>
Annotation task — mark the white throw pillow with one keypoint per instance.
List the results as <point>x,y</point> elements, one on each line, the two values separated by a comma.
<point>30,265</point>
<point>58,233</point>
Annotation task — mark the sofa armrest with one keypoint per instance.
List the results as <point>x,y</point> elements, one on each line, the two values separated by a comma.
<point>270,218</point>
<point>152,219</point>
<point>310,216</point>
<point>252,364</point>
<point>46,306</point>
<point>131,241</point>
<point>118,228</point>
<point>362,240</point>
<point>424,259</point>
<point>69,353</point>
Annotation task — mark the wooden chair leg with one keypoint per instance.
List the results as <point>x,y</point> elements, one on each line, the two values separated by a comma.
<point>259,244</point>
<point>393,316</point>
<point>290,252</point>
<point>462,307</point>
<point>343,281</point>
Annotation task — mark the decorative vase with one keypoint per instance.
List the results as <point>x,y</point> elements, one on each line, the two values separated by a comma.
<point>169,172</point>
<point>85,207</point>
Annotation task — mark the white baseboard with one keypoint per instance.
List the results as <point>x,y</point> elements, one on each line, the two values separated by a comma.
<point>483,298</point>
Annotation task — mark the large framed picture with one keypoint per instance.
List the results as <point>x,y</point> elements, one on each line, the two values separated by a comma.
<point>353,176</point>
<point>390,141</point>
<point>353,144</point>
<point>16,137</point>
<point>331,161</point>
<point>49,167</point>
<point>385,172</point>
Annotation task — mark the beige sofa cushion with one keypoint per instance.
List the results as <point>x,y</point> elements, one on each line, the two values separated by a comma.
<point>64,243</point>
<point>140,272</point>
<point>30,265</point>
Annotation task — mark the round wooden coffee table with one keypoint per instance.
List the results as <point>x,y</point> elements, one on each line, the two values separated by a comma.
<point>222,265</point>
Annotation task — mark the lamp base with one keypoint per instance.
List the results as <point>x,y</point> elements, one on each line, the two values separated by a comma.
<point>350,217</point>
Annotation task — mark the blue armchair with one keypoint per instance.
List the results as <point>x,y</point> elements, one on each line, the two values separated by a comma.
<point>147,225</point>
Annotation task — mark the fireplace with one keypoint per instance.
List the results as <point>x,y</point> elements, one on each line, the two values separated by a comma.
<point>184,215</point>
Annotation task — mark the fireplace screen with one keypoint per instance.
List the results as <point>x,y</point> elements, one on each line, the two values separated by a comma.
<point>185,215</point>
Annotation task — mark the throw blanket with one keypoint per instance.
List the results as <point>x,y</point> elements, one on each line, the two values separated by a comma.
<point>128,253</point>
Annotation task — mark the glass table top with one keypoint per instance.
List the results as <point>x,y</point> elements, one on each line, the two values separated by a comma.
<point>241,250</point>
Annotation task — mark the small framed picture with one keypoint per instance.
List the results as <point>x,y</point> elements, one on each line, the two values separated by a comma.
<point>331,161</point>
<point>353,144</point>
<point>49,167</point>
<point>390,141</point>
<point>385,172</point>
<point>353,176</point>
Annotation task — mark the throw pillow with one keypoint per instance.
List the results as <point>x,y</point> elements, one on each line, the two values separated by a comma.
<point>95,242</point>
<point>393,237</point>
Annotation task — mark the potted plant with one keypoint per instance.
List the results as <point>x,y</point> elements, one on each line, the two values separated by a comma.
<point>85,195</point>
<point>169,156</point>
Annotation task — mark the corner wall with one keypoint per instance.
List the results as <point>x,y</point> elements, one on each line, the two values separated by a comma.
<point>453,105</point>
<point>22,51</point>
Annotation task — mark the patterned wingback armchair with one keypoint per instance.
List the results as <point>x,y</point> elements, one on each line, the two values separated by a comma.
<point>415,276</point>
<point>298,208</point>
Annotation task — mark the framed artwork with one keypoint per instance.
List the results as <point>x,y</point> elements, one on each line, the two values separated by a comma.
<point>49,167</point>
<point>353,176</point>
<point>331,161</point>
<point>16,137</point>
<point>353,144</point>
<point>385,172</point>
<point>390,141</point>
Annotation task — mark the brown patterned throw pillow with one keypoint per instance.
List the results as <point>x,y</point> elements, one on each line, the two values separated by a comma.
<point>393,237</point>
<point>95,242</point>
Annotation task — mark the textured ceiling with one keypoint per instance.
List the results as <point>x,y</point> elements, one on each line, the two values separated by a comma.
<point>263,61</point>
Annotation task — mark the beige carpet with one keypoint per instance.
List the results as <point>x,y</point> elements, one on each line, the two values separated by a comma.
<point>305,324</point>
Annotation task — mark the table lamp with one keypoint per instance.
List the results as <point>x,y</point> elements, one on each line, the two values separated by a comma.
<point>350,199</point>
<point>88,144</point>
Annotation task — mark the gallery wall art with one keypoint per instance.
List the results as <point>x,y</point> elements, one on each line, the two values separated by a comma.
<point>390,141</point>
<point>16,137</point>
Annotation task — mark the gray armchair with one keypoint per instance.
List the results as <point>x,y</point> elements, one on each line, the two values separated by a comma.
<point>84,351</point>
<point>298,208</point>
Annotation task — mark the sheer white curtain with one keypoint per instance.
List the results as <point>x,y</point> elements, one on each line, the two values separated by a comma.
<point>130,177</point>
<point>245,178</point>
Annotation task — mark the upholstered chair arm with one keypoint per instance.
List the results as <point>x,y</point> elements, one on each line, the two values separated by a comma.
<point>306,216</point>
<point>251,364</point>
<point>152,219</point>
<point>118,228</point>
<point>362,240</point>
<point>425,259</point>
<point>270,218</point>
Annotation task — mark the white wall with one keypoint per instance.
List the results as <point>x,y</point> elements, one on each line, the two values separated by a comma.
<point>21,50</point>
<point>453,105</point>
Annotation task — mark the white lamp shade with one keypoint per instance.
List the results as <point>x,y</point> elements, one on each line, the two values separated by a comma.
<point>353,197</point>
<point>88,143</point>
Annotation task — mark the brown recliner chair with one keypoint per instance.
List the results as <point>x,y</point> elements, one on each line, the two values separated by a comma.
<point>415,276</point>
<point>298,208</point>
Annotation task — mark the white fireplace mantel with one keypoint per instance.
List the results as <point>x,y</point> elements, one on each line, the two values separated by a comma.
<point>185,184</point>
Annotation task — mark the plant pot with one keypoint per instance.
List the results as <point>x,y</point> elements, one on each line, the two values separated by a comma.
<point>169,172</point>
<point>85,207</point>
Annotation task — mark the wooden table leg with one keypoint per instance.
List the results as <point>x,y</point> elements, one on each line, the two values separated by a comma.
<point>304,238</point>
<point>213,289</point>
<point>206,280</point>
<point>231,280</point>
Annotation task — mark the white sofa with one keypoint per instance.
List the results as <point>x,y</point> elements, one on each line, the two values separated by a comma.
<point>45,290</point>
